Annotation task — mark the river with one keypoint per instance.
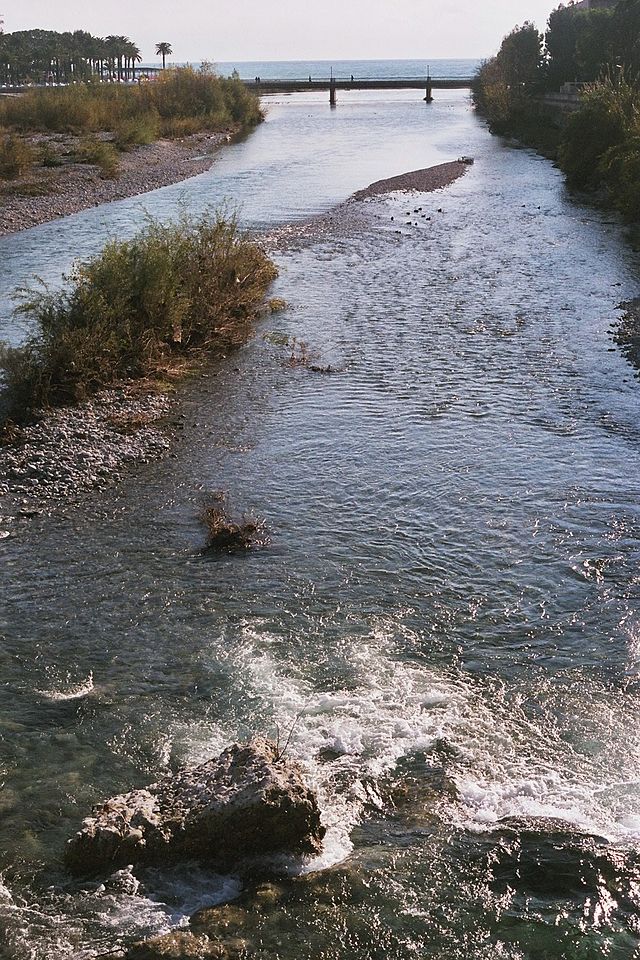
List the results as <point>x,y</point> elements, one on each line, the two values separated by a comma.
<point>446,617</point>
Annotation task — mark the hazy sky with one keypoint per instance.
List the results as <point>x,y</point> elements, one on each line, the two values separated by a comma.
<point>220,30</point>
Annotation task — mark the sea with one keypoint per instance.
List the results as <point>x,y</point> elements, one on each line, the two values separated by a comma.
<point>344,69</point>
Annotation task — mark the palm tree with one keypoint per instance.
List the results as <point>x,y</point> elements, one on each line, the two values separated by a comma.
<point>133,56</point>
<point>163,50</point>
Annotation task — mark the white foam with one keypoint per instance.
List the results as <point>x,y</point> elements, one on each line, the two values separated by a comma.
<point>69,690</point>
<point>506,765</point>
<point>395,708</point>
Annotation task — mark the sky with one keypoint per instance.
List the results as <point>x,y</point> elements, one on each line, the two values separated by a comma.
<point>235,30</point>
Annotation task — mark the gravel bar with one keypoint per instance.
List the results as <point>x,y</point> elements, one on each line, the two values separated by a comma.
<point>75,187</point>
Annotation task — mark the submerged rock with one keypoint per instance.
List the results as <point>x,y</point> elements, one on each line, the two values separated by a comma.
<point>247,802</point>
<point>183,945</point>
<point>547,857</point>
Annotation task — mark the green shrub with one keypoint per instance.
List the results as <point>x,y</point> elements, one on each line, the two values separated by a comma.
<point>599,125</point>
<point>136,130</point>
<point>101,154</point>
<point>16,158</point>
<point>601,144</point>
<point>176,128</point>
<point>620,168</point>
<point>68,110</point>
<point>136,308</point>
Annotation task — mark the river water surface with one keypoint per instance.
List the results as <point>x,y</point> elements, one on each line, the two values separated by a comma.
<point>447,613</point>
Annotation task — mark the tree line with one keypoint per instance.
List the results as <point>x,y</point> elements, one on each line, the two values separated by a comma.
<point>598,144</point>
<point>579,46</point>
<point>41,56</point>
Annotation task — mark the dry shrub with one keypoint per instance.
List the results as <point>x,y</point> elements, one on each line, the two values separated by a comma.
<point>100,154</point>
<point>179,103</point>
<point>48,156</point>
<point>137,130</point>
<point>16,157</point>
<point>176,128</point>
<point>277,305</point>
<point>226,535</point>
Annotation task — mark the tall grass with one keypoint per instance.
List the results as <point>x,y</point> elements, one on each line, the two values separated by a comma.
<point>208,101</point>
<point>137,308</point>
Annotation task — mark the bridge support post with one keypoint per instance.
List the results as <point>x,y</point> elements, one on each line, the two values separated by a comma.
<point>332,93</point>
<point>429,96</point>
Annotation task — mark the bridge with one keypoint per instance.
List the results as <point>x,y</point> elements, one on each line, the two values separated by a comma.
<point>333,84</point>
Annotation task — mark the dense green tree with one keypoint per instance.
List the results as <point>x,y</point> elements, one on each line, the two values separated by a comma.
<point>503,84</point>
<point>41,55</point>
<point>520,56</point>
<point>594,46</point>
<point>626,37</point>
<point>579,44</point>
<point>561,39</point>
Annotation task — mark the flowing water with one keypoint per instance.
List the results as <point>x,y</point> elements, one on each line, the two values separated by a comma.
<point>447,614</point>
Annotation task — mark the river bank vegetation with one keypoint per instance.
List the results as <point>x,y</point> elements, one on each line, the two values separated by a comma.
<point>109,119</point>
<point>139,309</point>
<point>179,102</point>
<point>594,57</point>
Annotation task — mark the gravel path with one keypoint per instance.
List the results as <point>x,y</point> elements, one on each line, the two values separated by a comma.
<point>76,187</point>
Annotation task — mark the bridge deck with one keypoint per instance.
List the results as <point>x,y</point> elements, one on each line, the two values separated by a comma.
<point>407,83</point>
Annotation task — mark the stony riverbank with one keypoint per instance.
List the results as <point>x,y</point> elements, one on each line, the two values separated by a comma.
<point>61,191</point>
<point>74,449</point>
<point>421,181</point>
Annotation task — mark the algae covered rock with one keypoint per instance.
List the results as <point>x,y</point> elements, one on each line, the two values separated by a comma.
<point>247,802</point>
<point>182,945</point>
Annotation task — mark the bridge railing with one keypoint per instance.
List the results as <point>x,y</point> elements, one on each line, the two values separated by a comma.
<point>354,79</point>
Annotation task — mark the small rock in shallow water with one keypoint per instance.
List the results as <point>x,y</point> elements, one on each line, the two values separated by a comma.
<point>180,945</point>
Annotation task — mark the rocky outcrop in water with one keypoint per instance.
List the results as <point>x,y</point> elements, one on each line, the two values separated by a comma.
<point>247,802</point>
<point>182,945</point>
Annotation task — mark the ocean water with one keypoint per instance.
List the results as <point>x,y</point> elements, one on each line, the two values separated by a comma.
<point>345,69</point>
<point>447,616</point>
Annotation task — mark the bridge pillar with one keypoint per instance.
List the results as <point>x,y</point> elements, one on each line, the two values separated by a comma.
<point>332,92</point>
<point>429,96</point>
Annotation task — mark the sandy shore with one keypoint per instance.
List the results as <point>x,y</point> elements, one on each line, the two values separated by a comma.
<point>74,186</point>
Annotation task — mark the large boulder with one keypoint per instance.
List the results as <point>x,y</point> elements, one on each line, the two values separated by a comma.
<point>247,802</point>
